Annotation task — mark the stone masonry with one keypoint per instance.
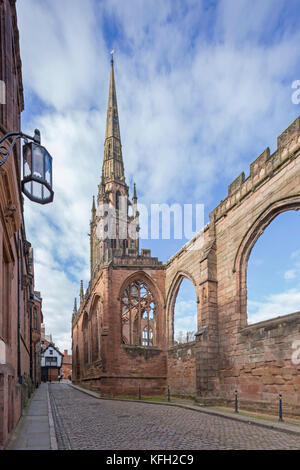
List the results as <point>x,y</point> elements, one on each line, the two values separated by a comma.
<point>228,354</point>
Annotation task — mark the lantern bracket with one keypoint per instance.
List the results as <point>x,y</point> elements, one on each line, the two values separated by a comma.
<point>5,152</point>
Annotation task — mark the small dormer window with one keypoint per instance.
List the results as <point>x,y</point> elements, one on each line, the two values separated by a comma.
<point>51,352</point>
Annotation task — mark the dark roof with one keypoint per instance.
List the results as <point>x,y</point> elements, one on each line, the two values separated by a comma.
<point>54,347</point>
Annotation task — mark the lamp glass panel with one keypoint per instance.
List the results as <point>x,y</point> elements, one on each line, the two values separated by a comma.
<point>38,161</point>
<point>37,190</point>
<point>27,160</point>
<point>48,168</point>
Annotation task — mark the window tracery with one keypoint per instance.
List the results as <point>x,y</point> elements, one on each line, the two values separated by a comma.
<point>138,315</point>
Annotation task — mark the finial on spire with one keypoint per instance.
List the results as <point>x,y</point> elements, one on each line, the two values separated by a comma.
<point>81,290</point>
<point>134,197</point>
<point>93,207</point>
<point>75,305</point>
<point>112,56</point>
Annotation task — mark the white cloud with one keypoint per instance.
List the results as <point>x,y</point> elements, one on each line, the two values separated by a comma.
<point>274,305</point>
<point>185,316</point>
<point>195,92</point>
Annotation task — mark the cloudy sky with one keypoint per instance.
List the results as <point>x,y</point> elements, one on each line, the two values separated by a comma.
<point>203,88</point>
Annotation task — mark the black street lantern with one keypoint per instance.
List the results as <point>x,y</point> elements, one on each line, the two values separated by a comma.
<point>37,166</point>
<point>37,173</point>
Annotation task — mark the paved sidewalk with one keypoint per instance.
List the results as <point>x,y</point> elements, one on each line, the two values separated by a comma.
<point>265,423</point>
<point>35,430</point>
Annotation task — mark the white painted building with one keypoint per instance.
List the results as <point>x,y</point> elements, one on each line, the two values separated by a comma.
<point>51,362</point>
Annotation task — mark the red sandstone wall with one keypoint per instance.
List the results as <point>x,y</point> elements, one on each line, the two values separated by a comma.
<point>121,369</point>
<point>230,355</point>
<point>182,370</point>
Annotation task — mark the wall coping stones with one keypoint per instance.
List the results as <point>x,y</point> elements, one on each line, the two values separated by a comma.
<point>262,168</point>
<point>271,323</point>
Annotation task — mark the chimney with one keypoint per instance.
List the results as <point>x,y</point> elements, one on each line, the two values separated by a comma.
<point>65,352</point>
<point>43,331</point>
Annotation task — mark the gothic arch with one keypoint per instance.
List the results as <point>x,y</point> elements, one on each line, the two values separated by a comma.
<point>95,326</point>
<point>95,299</point>
<point>77,364</point>
<point>171,300</point>
<point>149,280</point>
<point>85,337</point>
<point>150,315</point>
<point>248,242</point>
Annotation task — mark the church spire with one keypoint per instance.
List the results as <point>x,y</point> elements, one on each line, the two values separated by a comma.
<point>113,168</point>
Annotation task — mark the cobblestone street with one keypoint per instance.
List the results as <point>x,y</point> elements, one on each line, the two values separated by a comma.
<point>84,422</point>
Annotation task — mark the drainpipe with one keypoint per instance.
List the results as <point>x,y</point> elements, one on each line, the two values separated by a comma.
<point>30,337</point>
<point>19,308</point>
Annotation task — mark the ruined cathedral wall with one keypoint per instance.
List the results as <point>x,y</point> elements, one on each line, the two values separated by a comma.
<point>89,369</point>
<point>229,354</point>
<point>130,367</point>
<point>256,359</point>
<point>181,358</point>
<point>182,369</point>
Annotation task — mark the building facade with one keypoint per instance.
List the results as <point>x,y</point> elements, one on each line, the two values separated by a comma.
<point>123,329</point>
<point>20,305</point>
<point>66,368</point>
<point>51,362</point>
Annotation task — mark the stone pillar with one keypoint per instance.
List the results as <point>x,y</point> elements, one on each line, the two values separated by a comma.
<point>207,338</point>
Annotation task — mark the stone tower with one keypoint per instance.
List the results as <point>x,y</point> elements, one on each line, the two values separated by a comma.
<point>118,330</point>
<point>113,197</point>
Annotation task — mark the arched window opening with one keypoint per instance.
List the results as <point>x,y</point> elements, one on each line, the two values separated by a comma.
<point>95,319</point>
<point>138,315</point>
<point>77,364</point>
<point>85,339</point>
<point>273,271</point>
<point>185,313</point>
<point>147,337</point>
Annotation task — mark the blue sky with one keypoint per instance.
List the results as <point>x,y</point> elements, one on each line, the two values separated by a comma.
<point>203,88</point>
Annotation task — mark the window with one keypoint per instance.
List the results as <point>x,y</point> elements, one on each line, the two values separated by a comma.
<point>77,363</point>
<point>138,315</point>
<point>95,319</point>
<point>85,338</point>
<point>185,312</point>
<point>50,351</point>
<point>147,337</point>
<point>51,361</point>
<point>273,270</point>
